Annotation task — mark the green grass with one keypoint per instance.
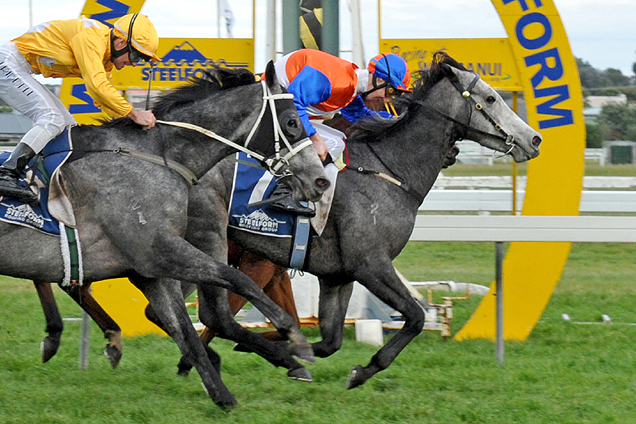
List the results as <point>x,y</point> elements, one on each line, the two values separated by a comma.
<point>563,373</point>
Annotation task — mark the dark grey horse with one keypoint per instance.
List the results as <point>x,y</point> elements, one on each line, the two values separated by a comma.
<point>131,212</point>
<point>372,218</point>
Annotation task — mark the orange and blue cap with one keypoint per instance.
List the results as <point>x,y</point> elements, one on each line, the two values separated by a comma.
<point>391,68</point>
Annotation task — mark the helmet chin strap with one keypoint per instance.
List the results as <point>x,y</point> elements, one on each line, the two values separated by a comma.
<point>114,54</point>
<point>376,87</point>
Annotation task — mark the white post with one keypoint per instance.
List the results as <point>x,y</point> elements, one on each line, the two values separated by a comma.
<point>356,44</point>
<point>270,48</point>
<point>83,359</point>
<point>218,18</point>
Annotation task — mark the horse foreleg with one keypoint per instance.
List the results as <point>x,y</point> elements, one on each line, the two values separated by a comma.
<point>184,365</point>
<point>54,323</point>
<point>177,259</point>
<point>332,311</point>
<point>215,314</point>
<point>83,297</point>
<point>275,282</point>
<point>167,302</point>
<point>389,289</point>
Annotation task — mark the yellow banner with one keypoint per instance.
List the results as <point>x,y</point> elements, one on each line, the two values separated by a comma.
<point>537,47</point>
<point>490,58</point>
<point>552,90</point>
<point>108,11</point>
<point>183,58</point>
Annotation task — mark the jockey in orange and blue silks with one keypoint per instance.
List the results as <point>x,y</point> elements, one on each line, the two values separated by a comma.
<point>323,84</point>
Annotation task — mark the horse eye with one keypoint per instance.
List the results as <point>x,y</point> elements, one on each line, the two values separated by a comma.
<point>290,123</point>
<point>490,100</point>
<point>292,128</point>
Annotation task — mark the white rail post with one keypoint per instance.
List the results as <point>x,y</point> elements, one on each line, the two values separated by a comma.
<point>86,324</point>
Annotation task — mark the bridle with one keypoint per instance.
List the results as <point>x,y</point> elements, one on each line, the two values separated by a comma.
<point>466,93</point>
<point>273,164</point>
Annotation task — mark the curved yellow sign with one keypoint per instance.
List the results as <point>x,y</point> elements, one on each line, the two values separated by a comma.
<point>553,96</point>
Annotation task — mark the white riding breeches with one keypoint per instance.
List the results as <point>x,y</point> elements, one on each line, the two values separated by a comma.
<point>334,139</point>
<point>20,90</point>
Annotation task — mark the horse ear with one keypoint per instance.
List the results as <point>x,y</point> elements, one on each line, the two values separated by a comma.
<point>271,79</point>
<point>448,70</point>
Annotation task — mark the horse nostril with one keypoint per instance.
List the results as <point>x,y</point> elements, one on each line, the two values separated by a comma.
<point>322,183</point>
<point>536,141</point>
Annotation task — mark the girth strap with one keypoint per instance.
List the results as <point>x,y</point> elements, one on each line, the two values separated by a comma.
<point>185,172</point>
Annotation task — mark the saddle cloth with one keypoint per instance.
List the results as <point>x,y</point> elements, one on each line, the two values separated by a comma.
<point>39,217</point>
<point>252,184</point>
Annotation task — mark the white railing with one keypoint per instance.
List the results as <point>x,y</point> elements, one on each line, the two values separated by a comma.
<point>592,201</point>
<point>596,155</point>
<point>508,228</point>
<point>504,228</point>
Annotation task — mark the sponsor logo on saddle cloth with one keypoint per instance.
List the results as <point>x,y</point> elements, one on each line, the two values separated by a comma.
<point>252,184</point>
<point>37,217</point>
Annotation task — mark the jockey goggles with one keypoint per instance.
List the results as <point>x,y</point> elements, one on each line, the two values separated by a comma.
<point>134,55</point>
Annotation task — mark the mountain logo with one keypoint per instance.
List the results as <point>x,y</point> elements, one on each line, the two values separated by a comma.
<point>185,54</point>
<point>258,221</point>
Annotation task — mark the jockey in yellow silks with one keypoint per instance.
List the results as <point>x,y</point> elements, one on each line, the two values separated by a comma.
<point>83,48</point>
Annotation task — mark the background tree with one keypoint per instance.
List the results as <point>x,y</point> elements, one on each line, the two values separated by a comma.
<point>593,137</point>
<point>618,122</point>
<point>616,77</point>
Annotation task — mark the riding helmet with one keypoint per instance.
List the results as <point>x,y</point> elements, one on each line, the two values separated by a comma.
<point>391,68</point>
<point>144,35</point>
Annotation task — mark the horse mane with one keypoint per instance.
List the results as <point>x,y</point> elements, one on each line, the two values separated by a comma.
<point>371,129</point>
<point>214,80</point>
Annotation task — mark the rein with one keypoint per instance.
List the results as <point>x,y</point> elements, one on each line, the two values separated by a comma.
<point>273,164</point>
<point>466,93</point>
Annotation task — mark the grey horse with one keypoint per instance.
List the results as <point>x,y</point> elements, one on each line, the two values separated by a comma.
<point>372,216</point>
<point>131,211</point>
<point>392,166</point>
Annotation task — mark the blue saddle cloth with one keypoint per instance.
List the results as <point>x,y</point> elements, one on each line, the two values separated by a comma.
<point>252,184</point>
<point>12,211</point>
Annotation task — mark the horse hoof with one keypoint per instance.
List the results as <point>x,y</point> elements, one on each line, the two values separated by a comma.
<point>300,374</point>
<point>113,354</point>
<point>242,348</point>
<point>48,347</point>
<point>303,352</point>
<point>224,401</point>
<point>184,367</point>
<point>356,378</point>
<point>227,406</point>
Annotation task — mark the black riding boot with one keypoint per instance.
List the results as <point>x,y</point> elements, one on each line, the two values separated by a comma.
<point>288,203</point>
<point>10,172</point>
